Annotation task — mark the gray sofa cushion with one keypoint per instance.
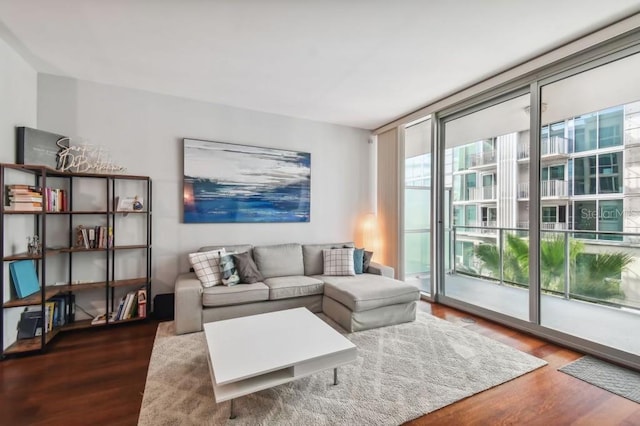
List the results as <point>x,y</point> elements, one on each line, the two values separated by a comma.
<point>293,286</point>
<point>279,260</point>
<point>368,291</point>
<point>235,295</point>
<point>313,259</point>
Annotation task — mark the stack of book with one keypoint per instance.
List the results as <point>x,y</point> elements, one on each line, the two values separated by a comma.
<point>92,237</point>
<point>56,200</point>
<point>58,312</point>
<point>23,198</point>
<point>132,305</point>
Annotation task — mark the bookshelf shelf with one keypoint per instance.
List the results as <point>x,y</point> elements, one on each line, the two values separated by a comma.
<point>80,286</point>
<point>32,300</point>
<point>99,250</point>
<point>81,249</point>
<point>126,320</point>
<point>22,256</point>
<point>129,282</point>
<point>87,212</point>
<point>78,325</point>
<point>129,247</point>
<point>30,345</point>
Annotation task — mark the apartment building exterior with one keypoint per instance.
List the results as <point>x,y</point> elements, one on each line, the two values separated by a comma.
<point>590,181</point>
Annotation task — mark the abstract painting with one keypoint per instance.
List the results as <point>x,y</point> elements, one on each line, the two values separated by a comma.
<point>225,182</point>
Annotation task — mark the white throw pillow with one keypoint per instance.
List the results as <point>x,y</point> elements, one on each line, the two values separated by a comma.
<point>206,265</point>
<point>338,261</point>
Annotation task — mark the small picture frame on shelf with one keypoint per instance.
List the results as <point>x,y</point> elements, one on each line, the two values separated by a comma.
<point>129,204</point>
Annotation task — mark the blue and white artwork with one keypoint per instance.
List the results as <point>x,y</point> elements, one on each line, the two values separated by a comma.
<point>225,182</point>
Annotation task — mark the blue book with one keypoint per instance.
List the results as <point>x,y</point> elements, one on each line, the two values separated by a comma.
<point>24,276</point>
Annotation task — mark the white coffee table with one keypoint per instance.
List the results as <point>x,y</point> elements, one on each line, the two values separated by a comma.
<point>257,352</point>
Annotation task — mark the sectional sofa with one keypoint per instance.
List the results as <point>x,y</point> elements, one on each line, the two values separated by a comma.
<point>293,277</point>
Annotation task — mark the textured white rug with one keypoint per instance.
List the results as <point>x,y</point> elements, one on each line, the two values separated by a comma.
<point>401,373</point>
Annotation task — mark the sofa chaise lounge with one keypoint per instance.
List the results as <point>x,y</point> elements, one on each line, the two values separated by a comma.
<point>293,277</point>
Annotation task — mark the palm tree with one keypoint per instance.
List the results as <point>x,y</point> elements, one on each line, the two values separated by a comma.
<point>552,261</point>
<point>516,260</point>
<point>490,257</point>
<point>599,276</point>
<point>596,276</point>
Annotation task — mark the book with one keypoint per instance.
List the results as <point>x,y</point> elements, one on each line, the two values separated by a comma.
<point>85,238</point>
<point>142,303</point>
<point>23,207</point>
<point>118,315</point>
<point>100,319</point>
<point>25,279</point>
<point>24,186</point>
<point>60,316</point>
<point>127,309</point>
<point>30,324</point>
<point>24,198</point>
<point>50,313</point>
<point>92,237</point>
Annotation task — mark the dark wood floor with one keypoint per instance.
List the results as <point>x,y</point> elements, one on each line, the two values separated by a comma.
<point>98,376</point>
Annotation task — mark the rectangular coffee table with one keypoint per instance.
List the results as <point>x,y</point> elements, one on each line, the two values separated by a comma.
<point>249,354</point>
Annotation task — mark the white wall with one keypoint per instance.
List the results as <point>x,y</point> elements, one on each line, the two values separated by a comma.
<point>144,132</point>
<point>18,97</point>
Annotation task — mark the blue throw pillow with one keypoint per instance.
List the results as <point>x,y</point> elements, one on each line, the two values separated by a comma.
<point>358,260</point>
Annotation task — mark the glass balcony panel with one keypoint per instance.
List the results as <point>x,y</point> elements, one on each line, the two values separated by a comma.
<point>590,263</point>
<point>478,234</point>
<point>417,246</point>
<point>417,205</point>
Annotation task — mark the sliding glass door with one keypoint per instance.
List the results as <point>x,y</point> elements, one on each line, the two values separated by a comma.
<point>590,230</point>
<point>487,231</point>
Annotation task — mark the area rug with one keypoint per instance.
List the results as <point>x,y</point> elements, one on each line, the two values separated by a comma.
<point>401,373</point>
<point>610,377</point>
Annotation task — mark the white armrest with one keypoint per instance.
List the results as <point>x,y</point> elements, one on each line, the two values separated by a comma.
<point>380,269</point>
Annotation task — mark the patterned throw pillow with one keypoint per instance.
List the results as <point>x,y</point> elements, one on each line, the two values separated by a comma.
<point>338,261</point>
<point>206,265</point>
<point>228,270</point>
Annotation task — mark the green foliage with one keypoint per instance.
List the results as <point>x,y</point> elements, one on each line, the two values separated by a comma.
<point>516,268</point>
<point>598,275</point>
<point>591,275</point>
<point>490,257</point>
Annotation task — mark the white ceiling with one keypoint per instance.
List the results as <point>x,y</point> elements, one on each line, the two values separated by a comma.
<point>357,63</point>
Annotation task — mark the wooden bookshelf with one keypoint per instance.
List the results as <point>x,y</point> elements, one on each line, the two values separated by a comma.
<point>129,282</point>
<point>32,300</point>
<point>79,325</point>
<point>80,286</point>
<point>108,290</point>
<point>30,345</point>
<point>129,247</point>
<point>22,256</point>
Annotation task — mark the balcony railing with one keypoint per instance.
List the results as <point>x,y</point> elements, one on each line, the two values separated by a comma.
<point>483,193</point>
<point>546,226</point>
<point>483,159</point>
<point>553,146</point>
<point>548,189</point>
<point>579,275</point>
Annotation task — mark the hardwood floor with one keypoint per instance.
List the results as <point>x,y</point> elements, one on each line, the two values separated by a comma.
<point>98,376</point>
